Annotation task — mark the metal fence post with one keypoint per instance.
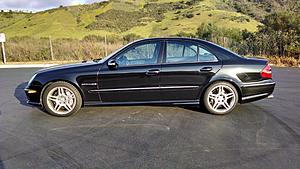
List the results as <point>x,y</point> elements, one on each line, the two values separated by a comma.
<point>105,41</point>
<point>51,48</point>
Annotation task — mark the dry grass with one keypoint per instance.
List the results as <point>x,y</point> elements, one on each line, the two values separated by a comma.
<point>283,61</point>
<point>32,49</point>
<point>37,50</point>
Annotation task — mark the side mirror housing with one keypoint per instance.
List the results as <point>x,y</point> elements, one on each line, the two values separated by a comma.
<point>112,64</point>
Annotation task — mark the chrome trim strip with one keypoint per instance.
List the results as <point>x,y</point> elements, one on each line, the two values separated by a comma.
<point>258,84</point>
<point>254,96</point>
<point>144,88</point>
<point>89,84</point>
<point>175,102</point>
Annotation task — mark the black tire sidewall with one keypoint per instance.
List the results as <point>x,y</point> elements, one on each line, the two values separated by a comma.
<point>205,100</point>
<point>62,84</point>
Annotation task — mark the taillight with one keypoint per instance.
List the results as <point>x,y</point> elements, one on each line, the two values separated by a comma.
<point>266,73</point>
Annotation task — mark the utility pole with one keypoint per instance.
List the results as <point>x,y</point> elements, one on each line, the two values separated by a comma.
<point>2,40</point>
<point>51,48</point>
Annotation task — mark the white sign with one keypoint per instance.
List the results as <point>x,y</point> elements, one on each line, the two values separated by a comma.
<point>2,37</point>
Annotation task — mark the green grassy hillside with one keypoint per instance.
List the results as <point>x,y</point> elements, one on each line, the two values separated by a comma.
<point>146,18</point>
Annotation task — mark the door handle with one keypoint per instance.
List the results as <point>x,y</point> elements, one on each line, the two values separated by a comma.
<point>152,72</point>
<point>206,69</point>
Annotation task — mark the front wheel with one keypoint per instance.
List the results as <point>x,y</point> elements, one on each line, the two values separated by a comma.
<point>220,98</point>
<point>61,99</point>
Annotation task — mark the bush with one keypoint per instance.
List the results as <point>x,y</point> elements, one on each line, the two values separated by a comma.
<point>189,15</point>
<point>165,28</point>
<point>184,34</point>
<point>131,37</point>
<point>97,38</point>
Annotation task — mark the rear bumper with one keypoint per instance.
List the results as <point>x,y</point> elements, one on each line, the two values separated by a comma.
<point>256,90</point>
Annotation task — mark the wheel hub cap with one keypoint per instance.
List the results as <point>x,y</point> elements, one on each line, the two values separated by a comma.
<point>221,98</point>
<point>61,100</point>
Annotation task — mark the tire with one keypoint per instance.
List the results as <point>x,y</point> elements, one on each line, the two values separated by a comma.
<point>220,98</point>
<point>61,99</point>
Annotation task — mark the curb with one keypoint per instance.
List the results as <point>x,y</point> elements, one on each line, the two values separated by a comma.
<point>25,66</point>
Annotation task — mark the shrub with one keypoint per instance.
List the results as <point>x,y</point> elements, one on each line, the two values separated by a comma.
<point>97,38</point>
<point>189,15</point>
<point>131,37</point>
<point>165,28</point>
<point>184,34</point>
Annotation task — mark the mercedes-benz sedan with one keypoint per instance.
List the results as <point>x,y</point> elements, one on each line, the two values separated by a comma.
<point>155,71</point>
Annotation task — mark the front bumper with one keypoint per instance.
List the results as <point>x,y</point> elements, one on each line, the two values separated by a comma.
<point>257,90</point>
<point>33,96</point>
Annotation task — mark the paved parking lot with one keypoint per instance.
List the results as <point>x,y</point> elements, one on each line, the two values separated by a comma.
<point>263,134</point>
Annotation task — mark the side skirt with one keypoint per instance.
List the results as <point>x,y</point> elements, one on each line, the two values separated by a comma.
<point>168,102</point>
<point>34,103</point>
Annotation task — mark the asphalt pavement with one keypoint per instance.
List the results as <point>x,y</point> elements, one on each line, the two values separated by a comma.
<point>262,134</point>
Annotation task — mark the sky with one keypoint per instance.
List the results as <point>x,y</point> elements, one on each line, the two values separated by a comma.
<point>38,5</point>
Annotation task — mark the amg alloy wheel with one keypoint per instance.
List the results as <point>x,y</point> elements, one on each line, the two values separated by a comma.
<point>61,99</point>
<point>220,98</point>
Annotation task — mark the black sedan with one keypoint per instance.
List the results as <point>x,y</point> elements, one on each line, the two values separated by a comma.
<point>155,71</point>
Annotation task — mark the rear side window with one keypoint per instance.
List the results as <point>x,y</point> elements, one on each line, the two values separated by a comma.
<point>187,52</point>
<point>206,56</point>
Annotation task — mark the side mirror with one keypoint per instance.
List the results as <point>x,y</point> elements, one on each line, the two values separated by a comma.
<point>112,64</point>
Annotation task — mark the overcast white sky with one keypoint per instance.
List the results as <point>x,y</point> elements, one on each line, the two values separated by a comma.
<point>37,5</point>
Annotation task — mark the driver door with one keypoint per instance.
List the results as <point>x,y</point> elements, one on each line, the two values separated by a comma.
<point>135,77</point>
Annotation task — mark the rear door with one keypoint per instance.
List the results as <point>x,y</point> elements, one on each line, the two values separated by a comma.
<point>186,68</point>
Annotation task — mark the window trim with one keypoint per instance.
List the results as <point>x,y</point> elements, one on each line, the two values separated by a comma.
<point>160,53</point>
<point>164,55</point>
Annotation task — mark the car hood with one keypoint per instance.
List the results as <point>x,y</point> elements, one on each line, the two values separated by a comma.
<point>68,66</point>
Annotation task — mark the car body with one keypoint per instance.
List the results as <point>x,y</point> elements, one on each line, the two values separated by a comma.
<point>158,71</point>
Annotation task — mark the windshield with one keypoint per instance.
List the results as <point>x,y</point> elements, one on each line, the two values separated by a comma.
<point>110,55</point>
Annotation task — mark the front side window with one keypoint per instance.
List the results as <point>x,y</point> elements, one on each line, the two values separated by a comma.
<point>144,54</point>
<point>186,52</point>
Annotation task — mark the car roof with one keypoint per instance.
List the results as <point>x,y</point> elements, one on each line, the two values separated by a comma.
<point>173,38</point>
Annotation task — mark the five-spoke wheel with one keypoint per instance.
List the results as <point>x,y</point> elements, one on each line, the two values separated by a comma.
<point>220,98</point>
<point>61,99</point>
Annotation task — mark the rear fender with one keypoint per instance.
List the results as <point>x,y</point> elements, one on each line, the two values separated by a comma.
<point>234,81</point>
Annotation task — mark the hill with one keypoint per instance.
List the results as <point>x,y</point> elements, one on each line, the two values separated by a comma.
<point>230,23</point>
<point>145,18</point>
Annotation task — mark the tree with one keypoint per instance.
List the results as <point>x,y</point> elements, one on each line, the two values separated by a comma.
<point>283,30</point>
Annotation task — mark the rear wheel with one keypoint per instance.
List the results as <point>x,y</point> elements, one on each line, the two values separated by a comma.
<point>61,99</point>
<point>220,98</point>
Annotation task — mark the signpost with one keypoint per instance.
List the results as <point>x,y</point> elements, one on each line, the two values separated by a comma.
<point>2,40</point>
